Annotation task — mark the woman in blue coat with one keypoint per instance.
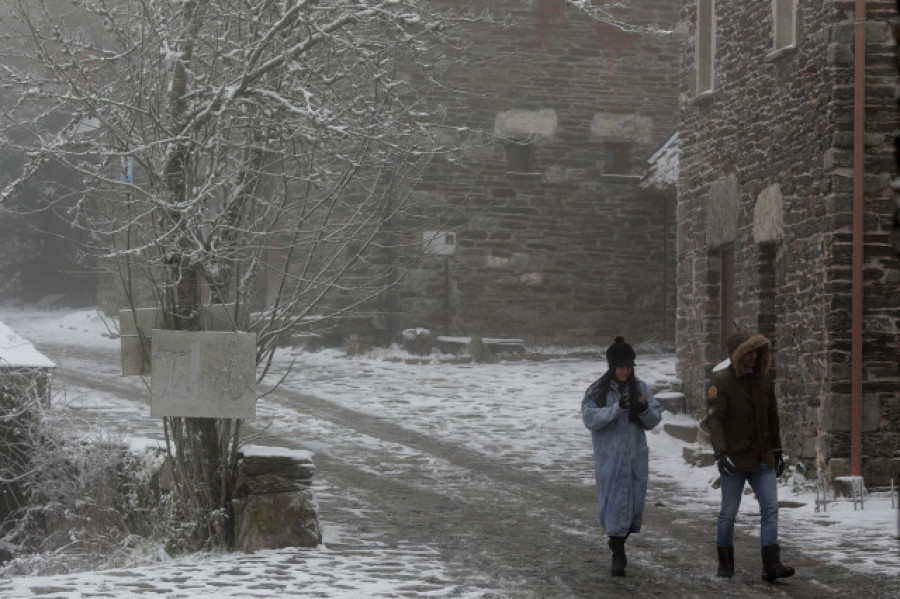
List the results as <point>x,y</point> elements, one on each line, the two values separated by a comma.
<point>618,408</point>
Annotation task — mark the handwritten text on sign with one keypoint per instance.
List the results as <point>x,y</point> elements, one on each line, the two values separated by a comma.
<point>203,374</point>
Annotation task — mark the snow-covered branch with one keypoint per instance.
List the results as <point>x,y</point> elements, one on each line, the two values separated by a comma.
<point>255,154</point>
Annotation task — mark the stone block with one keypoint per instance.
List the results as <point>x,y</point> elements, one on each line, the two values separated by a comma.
<point>722,211</point>
<point>688,434</point>
<point>311,342</point>
<point>505,346</point>
<point>452,345</point>
<point>671,401</point>
<point>768,215</point>
<point>265,484</point>
<point>881,471</point>
<point>276,520</point>
<point>525,123</point>
<point>837,413</point>
<point>849,486</point>
<point>618,126</point>
<point>698,457</point>
<point>839,55</point>
<point>807,447</point>
<point>285,467</point>
<point>482,347</point>
<point>520,260</point>
<point>274,506</point>
<point>418,341</point>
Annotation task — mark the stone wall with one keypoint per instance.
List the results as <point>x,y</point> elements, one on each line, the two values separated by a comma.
<point>552,242</point>
<point>274,506</point>
<point>555,114</point>
<point>766,174</point>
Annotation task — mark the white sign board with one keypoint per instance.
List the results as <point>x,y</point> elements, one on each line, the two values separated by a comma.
<point>134,336</point>
<point>439,243</point>
<point>135,333</point>
<point>203,374</point>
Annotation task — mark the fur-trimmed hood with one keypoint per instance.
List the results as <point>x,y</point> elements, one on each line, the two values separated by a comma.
<point>741,342</point>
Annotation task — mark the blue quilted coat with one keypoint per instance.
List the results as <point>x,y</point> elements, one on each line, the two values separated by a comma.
<point>620,456</point>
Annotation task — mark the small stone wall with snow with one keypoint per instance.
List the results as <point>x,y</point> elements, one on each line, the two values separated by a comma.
<point>274,504</point>
<point>25,377</point>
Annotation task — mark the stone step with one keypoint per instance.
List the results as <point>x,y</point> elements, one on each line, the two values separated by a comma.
<point>455,345</point>
<point>671,401</point>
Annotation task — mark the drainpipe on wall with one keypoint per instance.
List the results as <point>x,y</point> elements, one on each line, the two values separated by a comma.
<point>859,148</point>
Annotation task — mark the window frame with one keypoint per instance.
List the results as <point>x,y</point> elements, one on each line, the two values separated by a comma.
<point>520,156</point>
<point>620,151</point>
<point>705,47</point>
<point>782,25</point>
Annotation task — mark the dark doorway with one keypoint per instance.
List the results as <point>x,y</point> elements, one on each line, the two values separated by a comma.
<point>726,296</point>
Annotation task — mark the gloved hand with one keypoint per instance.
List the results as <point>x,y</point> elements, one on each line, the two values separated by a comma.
<point>624,402</point>
<point>779,462</point>
<point>639,406</point>
<point>725,465</point>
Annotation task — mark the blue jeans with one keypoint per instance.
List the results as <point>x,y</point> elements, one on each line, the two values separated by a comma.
<point>765,487</point>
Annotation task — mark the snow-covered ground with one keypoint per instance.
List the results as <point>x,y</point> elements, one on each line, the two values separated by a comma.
<point>523,412</point>
<point>527,413</point>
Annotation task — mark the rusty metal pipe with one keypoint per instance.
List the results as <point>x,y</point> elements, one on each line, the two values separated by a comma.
<point>859,150</point>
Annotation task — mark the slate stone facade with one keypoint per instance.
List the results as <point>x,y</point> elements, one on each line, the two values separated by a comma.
<point>549,236</point>
<point>765,221</point>
<point>539,228</point>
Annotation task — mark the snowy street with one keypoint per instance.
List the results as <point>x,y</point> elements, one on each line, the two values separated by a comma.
<point>444,479</point>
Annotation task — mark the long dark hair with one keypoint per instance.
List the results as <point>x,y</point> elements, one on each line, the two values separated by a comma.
<point>606,380</point>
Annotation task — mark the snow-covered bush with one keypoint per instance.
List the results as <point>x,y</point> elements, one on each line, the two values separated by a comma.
<point>77,503</point>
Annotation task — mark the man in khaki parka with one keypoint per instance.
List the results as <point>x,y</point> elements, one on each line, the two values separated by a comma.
<point>744,432</point>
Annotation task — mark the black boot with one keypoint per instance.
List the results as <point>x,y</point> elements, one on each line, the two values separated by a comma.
<point>772,566</point>
<point>619,561</point>
<point>726,562</point>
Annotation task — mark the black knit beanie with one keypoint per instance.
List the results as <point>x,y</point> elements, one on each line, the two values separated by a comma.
<point>620,354</point>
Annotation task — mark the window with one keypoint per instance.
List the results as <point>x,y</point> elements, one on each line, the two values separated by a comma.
<point>726,296</point>
<point>767,315</point>
<point>520,156</point>
<point>705,50</point>
<point>784,23</point>
<point>720,313</point>
<point>616,158</point>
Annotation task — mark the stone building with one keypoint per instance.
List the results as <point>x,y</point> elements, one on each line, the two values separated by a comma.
<point>767,234</point>
<point>544,232</point>
<point>539,227</point>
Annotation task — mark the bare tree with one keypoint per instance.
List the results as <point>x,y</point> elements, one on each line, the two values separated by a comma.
<point>225,146</point>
